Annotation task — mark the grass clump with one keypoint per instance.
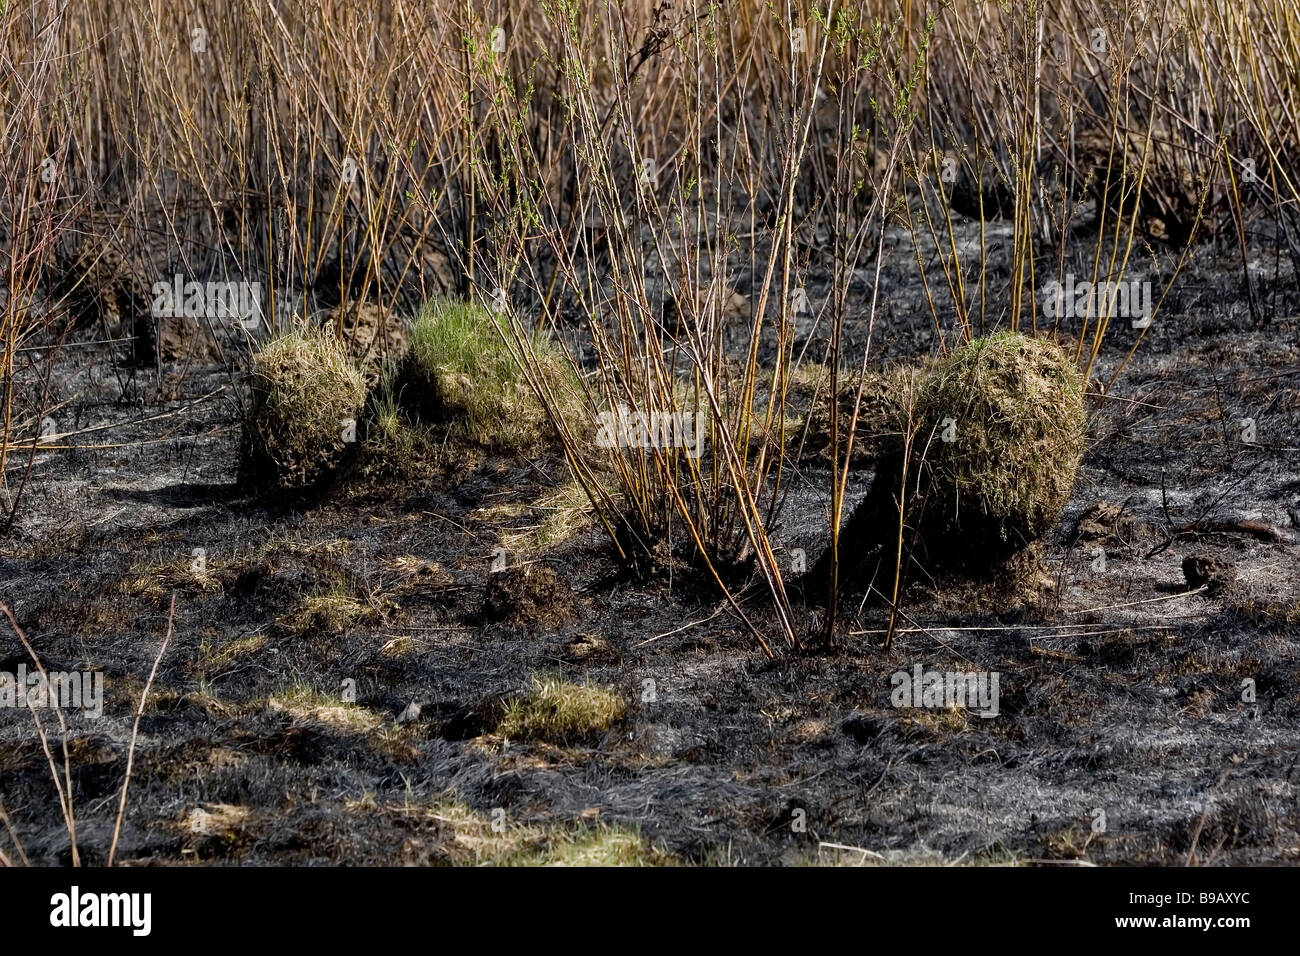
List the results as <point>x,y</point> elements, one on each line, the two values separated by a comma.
<point>213,660</point>
<point>603,846</point>
<point>990,440</point>
<point>334,612</point>
<point>560,514</point>
<point>467,837</point>
<point>307,705</point>
<point>558,712</point>
<point>460,372</point>
<point>1000,427</point>
<point>305,391</point>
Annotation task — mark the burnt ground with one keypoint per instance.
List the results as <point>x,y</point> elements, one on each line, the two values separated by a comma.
<point>1125,732</point>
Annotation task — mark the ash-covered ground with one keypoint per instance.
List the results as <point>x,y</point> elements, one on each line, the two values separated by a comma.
<point>1140,718</point>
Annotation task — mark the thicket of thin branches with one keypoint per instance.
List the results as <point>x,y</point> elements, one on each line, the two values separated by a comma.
<point>614,172</point>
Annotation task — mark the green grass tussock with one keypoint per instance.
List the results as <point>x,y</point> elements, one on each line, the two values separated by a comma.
<point>460,372</point>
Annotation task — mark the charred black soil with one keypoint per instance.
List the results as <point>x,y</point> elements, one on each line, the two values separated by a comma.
<point>1144,715</point>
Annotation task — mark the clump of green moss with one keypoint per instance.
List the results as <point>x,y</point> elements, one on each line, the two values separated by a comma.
<point>463,371</point>
<point>559,712</point>
<point>999,435</point>
<point>306,397</point>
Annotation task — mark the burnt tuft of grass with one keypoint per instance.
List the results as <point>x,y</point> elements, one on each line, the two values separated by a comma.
<point>1000,426</point>
<point>306,397</point>
<point>991,441</point>
<point>534,597</point>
